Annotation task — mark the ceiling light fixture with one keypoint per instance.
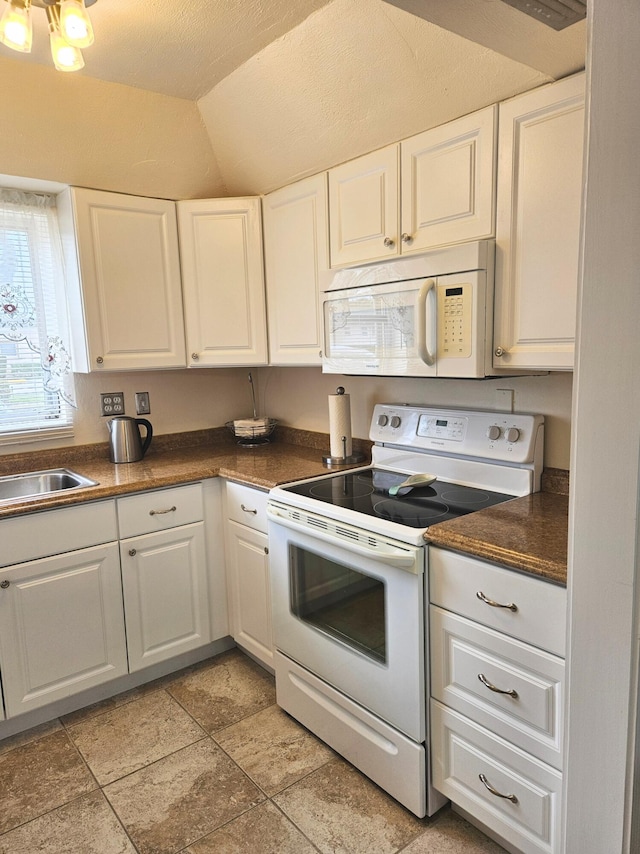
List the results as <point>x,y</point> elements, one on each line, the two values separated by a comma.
<point>69,29</point>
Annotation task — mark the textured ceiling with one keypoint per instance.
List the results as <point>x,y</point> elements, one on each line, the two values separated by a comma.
<point>185,49</point>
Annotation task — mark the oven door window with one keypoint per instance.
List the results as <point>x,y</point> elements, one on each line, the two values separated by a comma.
<point>340,601</point>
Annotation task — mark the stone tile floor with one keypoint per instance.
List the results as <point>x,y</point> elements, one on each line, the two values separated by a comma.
<point>202,762</point>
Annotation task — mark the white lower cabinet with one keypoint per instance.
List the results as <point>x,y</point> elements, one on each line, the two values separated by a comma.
<point>61,621</point>
<point>497,682</point>
<point>164,574</point>
<point>248,578</point>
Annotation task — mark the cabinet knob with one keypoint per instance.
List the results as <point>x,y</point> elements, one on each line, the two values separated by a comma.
<point>132,552</point>
<point>388,242</point>
<point>406,238</point>
<point>99,360</point>
<point>194,357</point>
<point>4,584</point>
<point>266,550</point>
<point>499,351</point>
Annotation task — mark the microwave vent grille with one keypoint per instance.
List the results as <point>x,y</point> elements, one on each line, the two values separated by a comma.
<point>556,14</point>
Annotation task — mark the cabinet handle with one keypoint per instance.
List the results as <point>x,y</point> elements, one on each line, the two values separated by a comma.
<point>491,687</point>
<point>99,360</point>
<point>132,552</point>
<point>194,357</point>
<point>248,510</point>
<point>388,242</point>
<point>162,512</point>
<point>493,604</point>
<point>4,584</point>
<point>487,785</point>
<point>499,351</point>
<point>406,238</point>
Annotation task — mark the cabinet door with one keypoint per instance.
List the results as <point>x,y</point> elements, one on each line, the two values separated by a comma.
<point>164,579</point>
<point>296,251</point>
<point>364,213</point>
<point>249,586</point>
<point>123,268</point>
<point>223,281</point>
<point>448,186</point>
<point>538,226</point>
<point>61,627</point>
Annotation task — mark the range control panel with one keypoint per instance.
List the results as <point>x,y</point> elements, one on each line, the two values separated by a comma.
<point>504,436</point>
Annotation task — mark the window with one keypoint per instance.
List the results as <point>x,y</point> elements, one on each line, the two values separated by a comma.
<point>36,382</point>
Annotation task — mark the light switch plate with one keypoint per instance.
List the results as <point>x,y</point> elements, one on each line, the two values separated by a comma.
<point>143,407</point>
<point>504,399</point>
<point>112,403</point>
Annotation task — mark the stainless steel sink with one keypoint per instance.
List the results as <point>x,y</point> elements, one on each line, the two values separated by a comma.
<point>37,484</point>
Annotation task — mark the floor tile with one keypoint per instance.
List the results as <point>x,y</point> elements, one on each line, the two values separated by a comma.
<point>29,735</point>
<point>273,749</point>
<point>107,705</point>
<point>233,688</point>
<point>84,826</point>
<point>129,737</point>
<point>342,812</point>
<point>449,833</point>
<point>181,798</point>
<point>261,830</point>
<point>40,776</point>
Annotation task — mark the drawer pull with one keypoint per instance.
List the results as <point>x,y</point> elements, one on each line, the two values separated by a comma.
<point>510,692</point>
<point>162,512</point>
<point>493,604</point>
<point>248,510</point>
<point>487,785</point>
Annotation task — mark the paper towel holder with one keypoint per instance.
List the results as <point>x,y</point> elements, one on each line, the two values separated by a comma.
<point>356,457</point>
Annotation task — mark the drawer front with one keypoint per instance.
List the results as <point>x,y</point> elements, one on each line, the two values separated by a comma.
<point>466,656</point>
<point>458,583</point>
<point>51,532</point>
<point>462,752</point>
<point>159,509</point>
<point>247,506</point>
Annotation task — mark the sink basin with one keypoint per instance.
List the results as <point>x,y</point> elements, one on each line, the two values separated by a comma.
<point>36,484</point>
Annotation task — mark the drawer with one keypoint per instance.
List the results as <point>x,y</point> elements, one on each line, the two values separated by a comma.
<point>463,751</point>
<point>159,509</point>
<point>52,532</point>
<point>247,505</point>
<point>463,651</point>
<point>457,583</point>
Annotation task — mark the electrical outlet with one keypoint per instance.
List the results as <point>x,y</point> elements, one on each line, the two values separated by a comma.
<point>143,407</point>
<point>112,403</point>
<point>504,399</point>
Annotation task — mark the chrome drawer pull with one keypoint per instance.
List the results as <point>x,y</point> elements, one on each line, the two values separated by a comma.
<point>248,510</point>
<point>493,604</point>
<point>487,785</point>
<point>162,512</point>
<point>491,687</point>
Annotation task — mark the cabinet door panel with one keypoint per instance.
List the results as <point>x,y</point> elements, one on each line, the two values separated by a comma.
<point>448,183</point>
<point>538,226</point>
<point>165,594</point>
<point>126,297</point>
<point>221,246</point>
<point>61,627</point>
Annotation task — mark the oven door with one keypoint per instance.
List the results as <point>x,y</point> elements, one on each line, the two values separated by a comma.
<point>349,606</point>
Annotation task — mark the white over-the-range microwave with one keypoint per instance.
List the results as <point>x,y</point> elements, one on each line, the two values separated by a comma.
<point>429,315</point>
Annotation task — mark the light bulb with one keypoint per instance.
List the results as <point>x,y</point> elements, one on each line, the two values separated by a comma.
<point>66,57</point>
<point>75,25</point>
<point>15,26</point>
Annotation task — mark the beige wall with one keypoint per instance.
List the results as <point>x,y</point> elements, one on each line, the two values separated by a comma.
<point>77,130</point>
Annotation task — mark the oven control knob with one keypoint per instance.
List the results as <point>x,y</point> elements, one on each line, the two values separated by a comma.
<point>512,434</point>
<point>493,432</point>
<point>395,421</point>
<point>383,420</point>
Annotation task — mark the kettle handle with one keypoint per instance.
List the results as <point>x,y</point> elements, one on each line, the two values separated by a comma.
<point>147,439</point>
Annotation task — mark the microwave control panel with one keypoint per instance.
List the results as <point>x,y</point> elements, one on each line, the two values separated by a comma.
<point>455,315</point>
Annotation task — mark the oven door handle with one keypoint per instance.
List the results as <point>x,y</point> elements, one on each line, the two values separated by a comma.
<point>383,553</point>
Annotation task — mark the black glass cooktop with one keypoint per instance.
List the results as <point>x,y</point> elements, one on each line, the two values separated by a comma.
<point>368,492</point>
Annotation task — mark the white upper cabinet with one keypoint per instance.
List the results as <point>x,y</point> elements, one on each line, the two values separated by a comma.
<point>296,252</point>
<point>538,226</point>
<point>223,282</point>
<point>431,190</point>
<point>123,274</point>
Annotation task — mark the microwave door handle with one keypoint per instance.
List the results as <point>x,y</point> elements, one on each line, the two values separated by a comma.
<point>423,351</point>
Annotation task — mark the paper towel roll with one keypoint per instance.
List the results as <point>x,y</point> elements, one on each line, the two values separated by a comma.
<point>340,425</point>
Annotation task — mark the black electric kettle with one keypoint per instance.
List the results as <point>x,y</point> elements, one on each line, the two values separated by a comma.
<point>125,443</point>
